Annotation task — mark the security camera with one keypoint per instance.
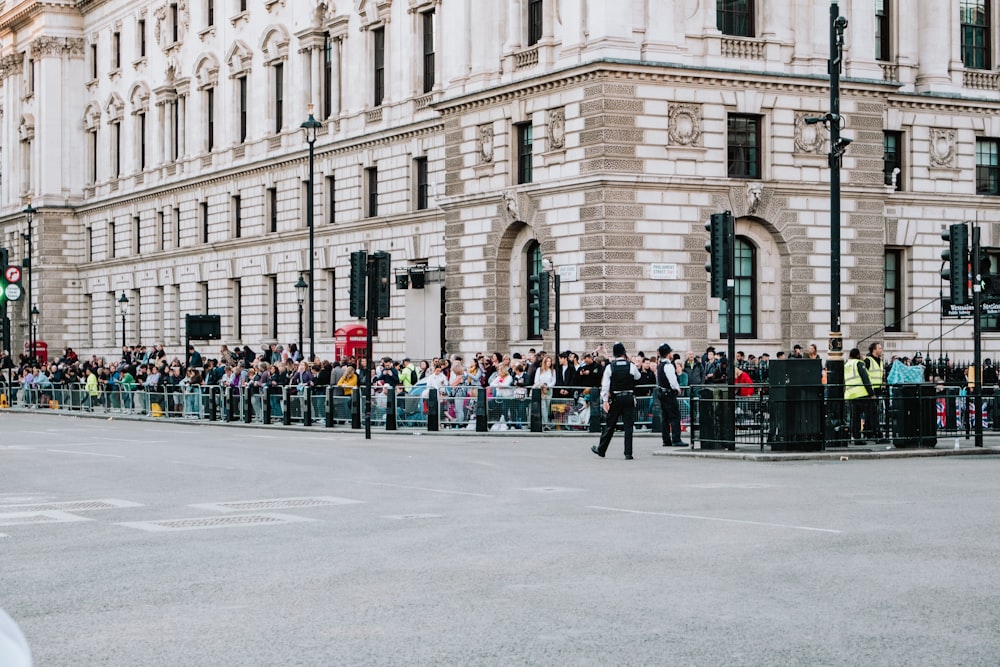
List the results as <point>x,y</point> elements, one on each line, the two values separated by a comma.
<point>844,142</point>
<point>812,120</point>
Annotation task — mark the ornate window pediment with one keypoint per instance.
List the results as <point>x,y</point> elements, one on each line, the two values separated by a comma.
<point>373,12</point>
<point>92,117</point>
<point>206,71</point>
<point>139,98</point>
<point>115,108</point>
<point>239,58</point>
<point>274,45</point>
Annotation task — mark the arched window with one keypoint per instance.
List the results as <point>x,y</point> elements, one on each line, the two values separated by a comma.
<point>745,292</point>
<point>533,265</point>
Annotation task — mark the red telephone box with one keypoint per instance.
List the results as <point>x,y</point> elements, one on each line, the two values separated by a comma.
<point>350,342</point>
<point>41,351</point>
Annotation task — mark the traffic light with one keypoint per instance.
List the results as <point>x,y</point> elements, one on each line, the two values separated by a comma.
<point>539,298</point>
<point>383,278</point>
<point>956,259</point>
<point>359,266</point>
<point>717,252</point>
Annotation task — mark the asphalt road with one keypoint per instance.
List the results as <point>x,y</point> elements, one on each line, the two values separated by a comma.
<point>150,544</point>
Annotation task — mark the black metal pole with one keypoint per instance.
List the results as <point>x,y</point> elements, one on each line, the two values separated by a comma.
<point>371,305</point>
<point>730,271</point>
<point>300,330</point>
<point>557,286</point>
<point>835,361</point>
<point>29,213</point>
<point>977,336</point>
<point>123,331</point>
<point>312,280</point>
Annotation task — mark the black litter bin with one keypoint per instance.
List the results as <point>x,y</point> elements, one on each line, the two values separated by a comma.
<point>914,415</point>
<point>715,416</point>
<point>795,401</point>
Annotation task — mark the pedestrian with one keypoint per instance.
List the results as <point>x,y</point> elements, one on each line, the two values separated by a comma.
<point>667,391</point>
<point>618,399</point>
<point>857,393</point>
<point>876,375</point>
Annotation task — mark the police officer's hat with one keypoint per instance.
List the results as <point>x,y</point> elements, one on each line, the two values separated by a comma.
<point>618,350</point>
<point>664,349</point>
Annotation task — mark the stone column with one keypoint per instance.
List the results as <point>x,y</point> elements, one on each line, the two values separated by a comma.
<point>934,37</point>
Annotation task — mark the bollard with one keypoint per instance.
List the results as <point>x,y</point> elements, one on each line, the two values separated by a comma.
<point>535,422</point>
<point>307,419</point>
<point>265,405</point>
<point>356,408</point>
<point>390,408</point>
<point>233,401</point>
<point>433,410</point>
<point>286,408</point>
<point>248,393</point>
<point>213,405</point>
<point>595,410</point>
<point>481,398</point>
<point>328,420</point>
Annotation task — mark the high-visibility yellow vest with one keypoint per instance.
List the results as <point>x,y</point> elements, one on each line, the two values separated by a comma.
<point>853,386</point>
<point>875,372</point>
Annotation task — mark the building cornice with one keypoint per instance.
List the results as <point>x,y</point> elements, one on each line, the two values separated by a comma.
<point>26,11</point>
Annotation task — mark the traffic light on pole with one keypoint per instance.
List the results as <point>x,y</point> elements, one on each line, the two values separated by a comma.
<point>716,248</point>
<point>543,300</point>
<point>359,268</point>
<point>956,259</point>
<point>383,275</point>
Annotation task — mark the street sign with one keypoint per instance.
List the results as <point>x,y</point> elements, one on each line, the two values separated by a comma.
<point>990,308</point>
<point>12,292</point>
<point>13,274</point>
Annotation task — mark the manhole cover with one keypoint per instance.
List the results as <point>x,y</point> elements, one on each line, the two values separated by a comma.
<point>276,504</point>
<point>204,523</point>
<point>71,506</point>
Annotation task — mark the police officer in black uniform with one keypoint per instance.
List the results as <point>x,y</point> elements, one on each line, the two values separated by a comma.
<point>667,390</point>
<point>618,398</point>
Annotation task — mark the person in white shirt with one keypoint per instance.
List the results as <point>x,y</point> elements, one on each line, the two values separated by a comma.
<point>618,399</point>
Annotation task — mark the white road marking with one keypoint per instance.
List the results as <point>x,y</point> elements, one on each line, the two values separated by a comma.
<point>418,488</point>
<point>276,503</point>
<point>202,465</point>
<point>22,518</point>
<point>404,517</point>
<point>70,505</point>
<point>3,535</point>
<point>206,523</point>
<point>69,451</point>
<point>714,518</point>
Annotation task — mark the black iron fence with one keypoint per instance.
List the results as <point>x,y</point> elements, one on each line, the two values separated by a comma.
<point>712,416</point>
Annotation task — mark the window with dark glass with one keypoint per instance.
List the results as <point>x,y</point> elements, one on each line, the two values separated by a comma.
<point>272,209</point>
<point>142,140</point>
<point>892,158</point>
<point>743,144</point>
<point>273,298</point>
<point>174,23</point>
<point>975,29</point>
<point>535,18</point>
<point>111,239</point>
<point>93,61</point>
<point>136,235</point>
<point>883,32</point>
<point>534,268</point>
<point>331,199</point>
<point>242,84</point>
<point>116,149</point>
<point>423,182</point>
<point>735,17</point>
<point>141,29</point>
<point>238,308</point>
<point>893,289</point>
<point>116,50</point>
<point>428,34</point>
<point>209,13</point>
<point>378,37</point>
<point>237,216</point>
<point>745,292</point>
<point>990,322</point>
<point>279,97</point>
<point>204,221</point>
<point>371,182</point>
<point>210,117</point>
<point>175,119</point>
<point>92,175</point>
<point>987,166</point>
<point>523,135</point>
<point>328,47</point>
<point>241,5</point>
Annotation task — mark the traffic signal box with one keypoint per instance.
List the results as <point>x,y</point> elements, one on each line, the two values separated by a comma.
<point>720,231</point>
<point>359,278</point>
<point>539,298</point>
<point>956,259</point>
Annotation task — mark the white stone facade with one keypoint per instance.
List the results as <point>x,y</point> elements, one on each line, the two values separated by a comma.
<point>627,103</point>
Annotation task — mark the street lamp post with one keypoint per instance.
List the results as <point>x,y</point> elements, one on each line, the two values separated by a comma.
<point>29,212</point>
<point>310,126</point>
<point>838,145</point>
<point>34,333</point>
<point>300,291</point>
<point>557,289</point>
<point>123,311</point>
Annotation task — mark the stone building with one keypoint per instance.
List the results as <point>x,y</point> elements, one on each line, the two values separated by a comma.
<point>159,143</point>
